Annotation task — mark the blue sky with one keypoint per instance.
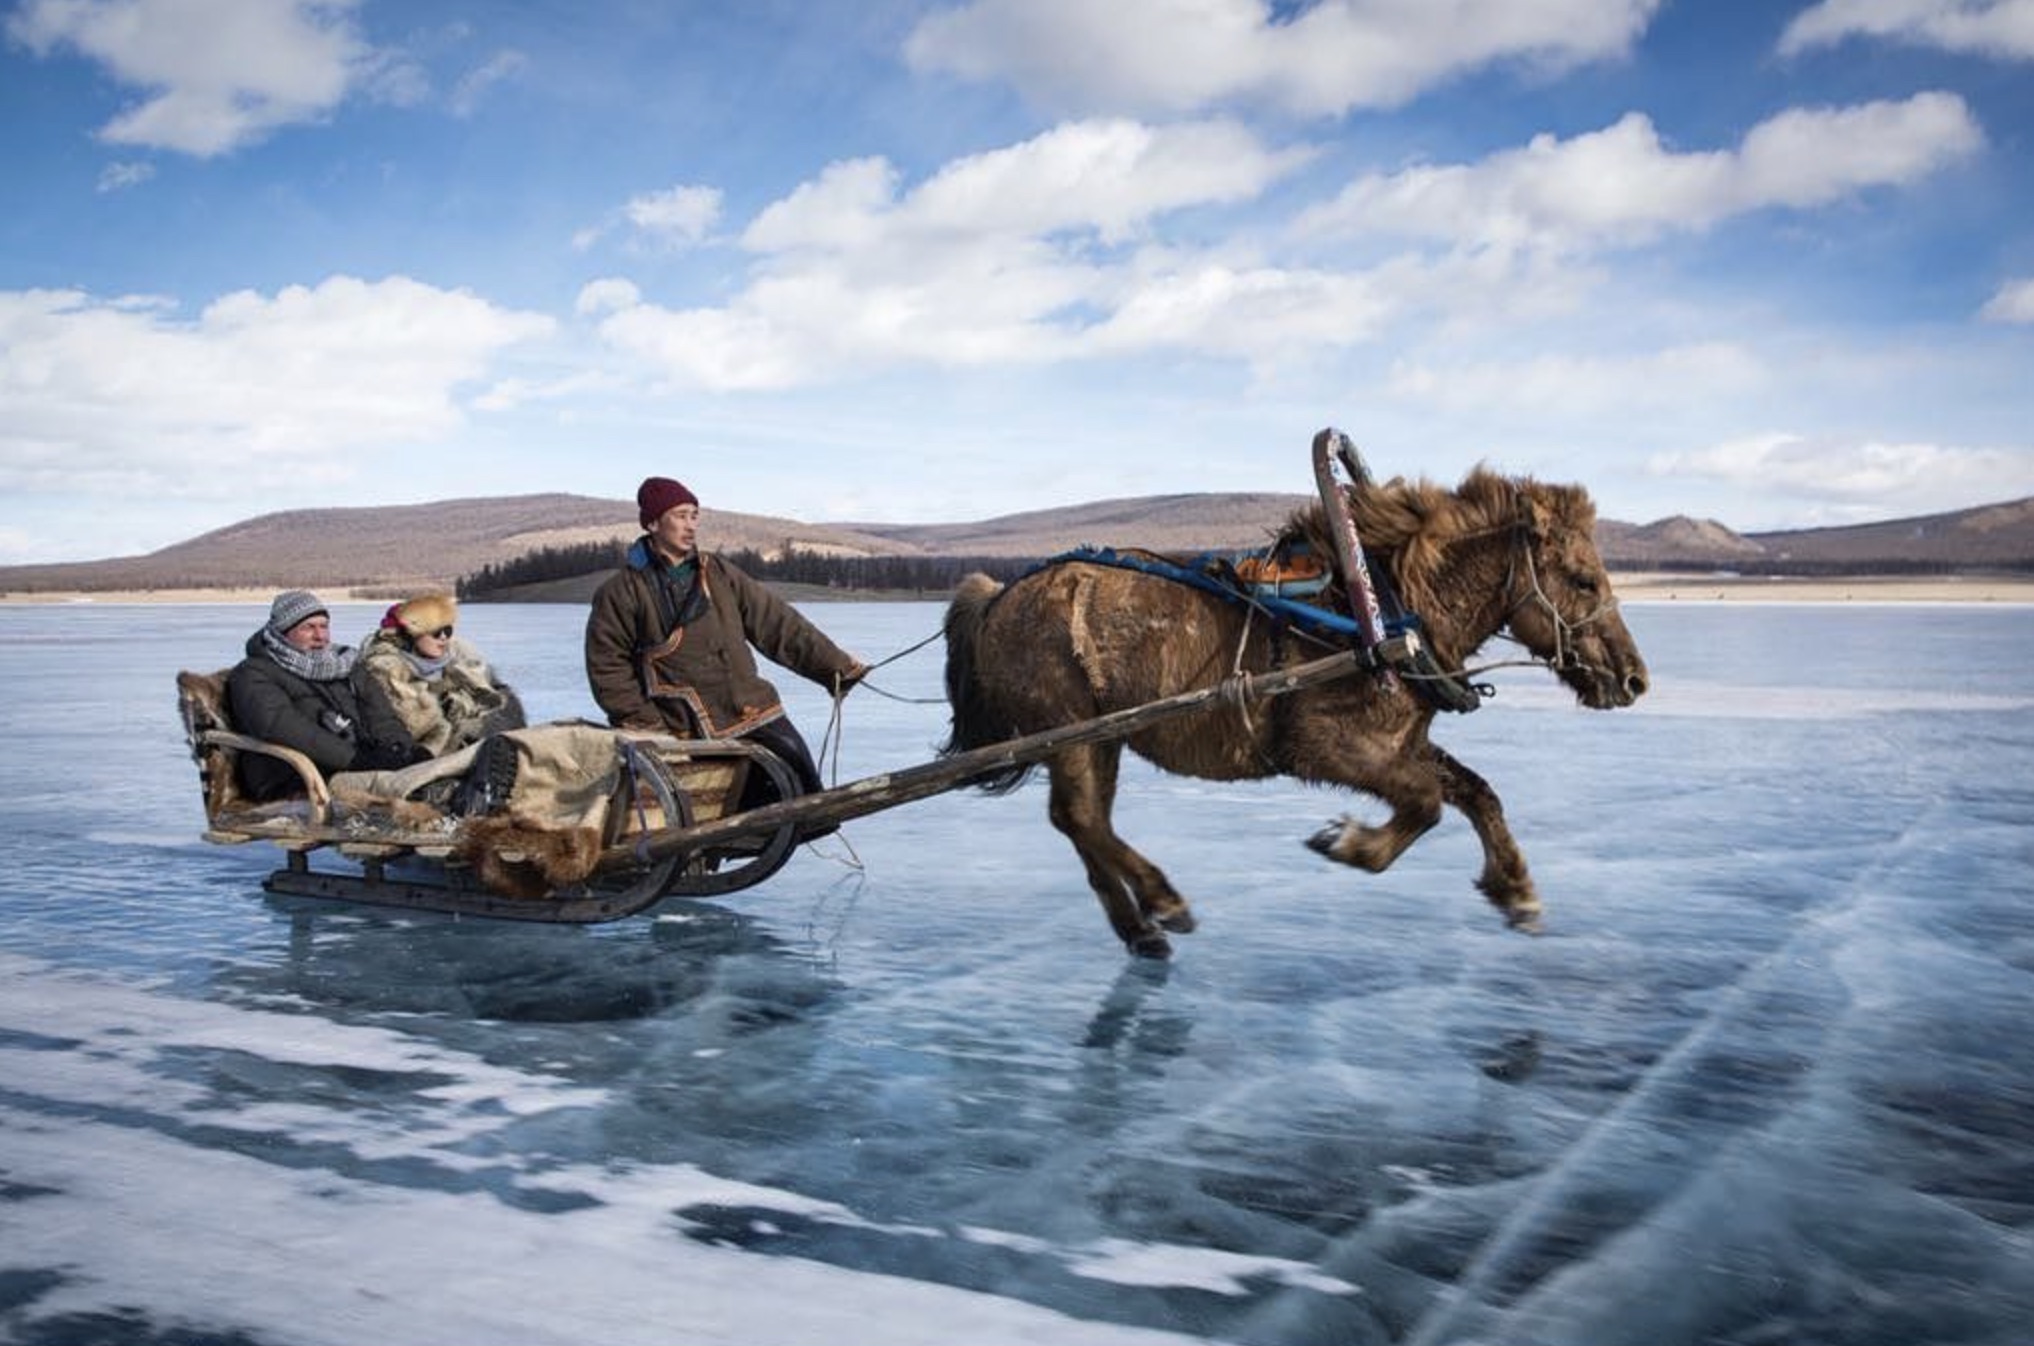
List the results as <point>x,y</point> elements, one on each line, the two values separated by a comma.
<point>939,260</point>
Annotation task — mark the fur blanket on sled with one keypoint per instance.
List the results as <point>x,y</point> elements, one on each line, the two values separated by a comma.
<point>545,830</point>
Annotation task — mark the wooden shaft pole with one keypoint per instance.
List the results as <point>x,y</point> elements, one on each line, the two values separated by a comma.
<point>872,794</point>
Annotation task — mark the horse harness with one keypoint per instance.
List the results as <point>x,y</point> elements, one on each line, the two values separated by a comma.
<point>1276,582</point>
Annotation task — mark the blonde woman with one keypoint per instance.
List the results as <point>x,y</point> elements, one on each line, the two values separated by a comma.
<point>439,685</point>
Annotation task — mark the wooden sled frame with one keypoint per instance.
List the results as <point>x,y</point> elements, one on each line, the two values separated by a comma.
<point>686,856</point>
<point>699,848</point>
<point>403,861</point>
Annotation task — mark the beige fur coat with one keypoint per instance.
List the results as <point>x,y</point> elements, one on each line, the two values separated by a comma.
<point>462,705</point>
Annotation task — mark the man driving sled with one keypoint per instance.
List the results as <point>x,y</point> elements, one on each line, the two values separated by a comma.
<point>668,641</point>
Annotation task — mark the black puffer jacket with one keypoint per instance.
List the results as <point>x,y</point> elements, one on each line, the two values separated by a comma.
<point>341,725</point>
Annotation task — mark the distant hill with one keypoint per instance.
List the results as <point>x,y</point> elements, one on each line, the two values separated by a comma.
<point>417,546</point>
<point>1678,541</point>
<point>404,546</point>
<point>414,546</point>
<point>1204,522</point>
<point>1989,537</point>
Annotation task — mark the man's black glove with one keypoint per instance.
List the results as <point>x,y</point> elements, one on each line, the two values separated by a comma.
<point>389,756</point>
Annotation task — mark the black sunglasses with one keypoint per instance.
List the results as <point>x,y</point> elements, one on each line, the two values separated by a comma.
<point>443,633</point>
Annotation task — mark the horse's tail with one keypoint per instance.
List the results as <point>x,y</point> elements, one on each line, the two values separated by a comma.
<point>976,723</point>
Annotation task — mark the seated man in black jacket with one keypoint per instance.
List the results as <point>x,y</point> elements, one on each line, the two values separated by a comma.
<point>297,689</point>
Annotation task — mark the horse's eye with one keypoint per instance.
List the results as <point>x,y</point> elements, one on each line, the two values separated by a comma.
<point>1585,584</point>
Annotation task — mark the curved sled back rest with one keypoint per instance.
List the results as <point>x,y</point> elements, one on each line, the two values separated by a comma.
<point>208,729</point>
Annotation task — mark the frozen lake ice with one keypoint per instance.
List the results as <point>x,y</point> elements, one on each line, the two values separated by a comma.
<point>1766,1078</point>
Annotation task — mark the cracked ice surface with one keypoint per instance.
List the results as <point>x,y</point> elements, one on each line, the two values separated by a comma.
<point>1766,1078</point>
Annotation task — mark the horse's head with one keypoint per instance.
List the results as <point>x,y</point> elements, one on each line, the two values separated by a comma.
<point>1561,606</point>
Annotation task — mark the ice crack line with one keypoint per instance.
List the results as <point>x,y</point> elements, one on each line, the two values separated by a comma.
<point>1518,1230</point>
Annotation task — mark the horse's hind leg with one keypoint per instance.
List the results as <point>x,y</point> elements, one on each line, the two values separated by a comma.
<point>1505,880</point>
<point>1139,901</point>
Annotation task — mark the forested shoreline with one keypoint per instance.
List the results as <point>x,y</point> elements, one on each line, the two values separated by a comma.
<point>793,565</point>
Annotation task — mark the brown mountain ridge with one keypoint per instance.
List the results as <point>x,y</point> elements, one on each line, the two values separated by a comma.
<point>435,544</point>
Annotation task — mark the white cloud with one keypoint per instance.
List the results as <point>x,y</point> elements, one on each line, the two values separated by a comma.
<point>216,74</point>
<point>2014,302</point>
<point>1622,184</point>
<point>1170,56</point>
<point>511,394</point>
<point>475,84</point>
<point>1998,28</point>
<point>257,390</point>
<point>1048,250</point>
<point>1857,478</point>
<point>677,214</point>
<point>1571,385</point>
<point>118,177</point>
<point>1108,177</point>
<point>608,295</point>
<point>1812,156</point>
<point>1258,314</point>
<point>395,78</point>
<point>1021,254</point>
<point>848,206</point>
<point>675,217</point>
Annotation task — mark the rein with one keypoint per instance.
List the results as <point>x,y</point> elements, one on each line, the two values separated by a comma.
<point>839,693</point>
<point>829,743</point>
<point>828,757</point>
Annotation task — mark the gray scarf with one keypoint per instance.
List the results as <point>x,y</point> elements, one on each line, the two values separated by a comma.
<point>428,669</point>
<point>326,665</point>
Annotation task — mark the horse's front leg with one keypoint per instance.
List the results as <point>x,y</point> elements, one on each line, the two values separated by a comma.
<point>1505,880</point>
<point>1416,784</point>
<point>1413,790</point>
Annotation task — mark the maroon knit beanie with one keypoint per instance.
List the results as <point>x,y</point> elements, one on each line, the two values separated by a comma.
<point>658,494</point>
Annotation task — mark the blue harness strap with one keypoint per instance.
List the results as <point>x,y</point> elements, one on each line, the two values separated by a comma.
<point>1214,573</point>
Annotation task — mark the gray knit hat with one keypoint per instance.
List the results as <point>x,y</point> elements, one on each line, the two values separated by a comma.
<point>291,608</point>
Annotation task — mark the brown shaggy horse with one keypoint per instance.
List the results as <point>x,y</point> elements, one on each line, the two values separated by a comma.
<point>1076,640</point>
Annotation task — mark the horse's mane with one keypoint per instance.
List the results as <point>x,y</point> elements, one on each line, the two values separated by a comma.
<point>1409,524</point>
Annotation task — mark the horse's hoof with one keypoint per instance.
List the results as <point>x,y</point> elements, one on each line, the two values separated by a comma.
<point>1151,944</point>
<point>1180,922</point>
<point>1323,841</point>
<point>1525,920</point>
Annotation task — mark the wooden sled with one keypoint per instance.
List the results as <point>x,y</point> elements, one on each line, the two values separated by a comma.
<point>669,834</point>
<point>411,854</point>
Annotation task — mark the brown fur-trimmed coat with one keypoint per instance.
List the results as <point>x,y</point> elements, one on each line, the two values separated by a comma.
<point>708,685</point>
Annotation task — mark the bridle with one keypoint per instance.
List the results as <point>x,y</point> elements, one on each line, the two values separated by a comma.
<point>1522,587</point>
<point>1521,563</point>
